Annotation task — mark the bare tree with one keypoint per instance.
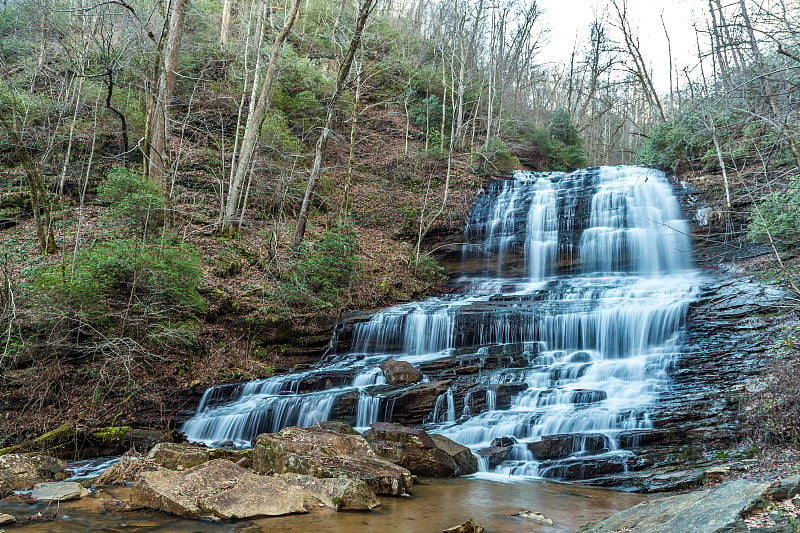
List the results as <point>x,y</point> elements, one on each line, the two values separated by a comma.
<point>165,64</point>
<point>319,150</point>
<point>261,90</point>
<point>631,47</point>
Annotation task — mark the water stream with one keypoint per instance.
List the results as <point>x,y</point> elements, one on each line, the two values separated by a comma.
<point>558,343</point>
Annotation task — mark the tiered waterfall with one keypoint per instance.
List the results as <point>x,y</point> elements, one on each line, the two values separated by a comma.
<point>557,346</point>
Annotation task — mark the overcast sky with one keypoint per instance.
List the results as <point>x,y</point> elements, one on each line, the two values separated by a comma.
<point>570,19</point>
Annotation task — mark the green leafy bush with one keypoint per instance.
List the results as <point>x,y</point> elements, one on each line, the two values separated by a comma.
<point>132,197</point>
<point>127,287</point>
<point>495,159</point>
<point>323,275</point>
<point>303,110</point>
<point>665,146</point>
<point>563,129</point>
<point>777,214</point>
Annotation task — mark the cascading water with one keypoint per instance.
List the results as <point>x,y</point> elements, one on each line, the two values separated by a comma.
<point>548,361</point>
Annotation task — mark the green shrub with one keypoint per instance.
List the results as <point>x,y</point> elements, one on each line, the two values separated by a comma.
<point>323,275</point>
<point>296,74</point>
<point>664,147</point>
<point>126,287</point>
<point>132,197</point>
<point>427,271</point>
<point>495,159</point>
<point>303,110</point>
<point>563,129</point>
<point>777,214</point>
<point>544,151</point>
<point>277,137</point>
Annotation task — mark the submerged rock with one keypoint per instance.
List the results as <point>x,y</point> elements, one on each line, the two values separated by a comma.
<point>326,454</point>
<point>217,489</point>
<point>535,517</point>
<point>467,527</point>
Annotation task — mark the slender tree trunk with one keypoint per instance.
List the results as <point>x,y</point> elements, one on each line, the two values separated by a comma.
<point>253,125</point>
<point>40,201</point>
<point>344,209</point>
<point>225,23</point>
<point>157,164</point>
<point>319,150</point>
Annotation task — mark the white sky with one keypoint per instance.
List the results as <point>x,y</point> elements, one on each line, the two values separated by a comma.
<point>570,19</point>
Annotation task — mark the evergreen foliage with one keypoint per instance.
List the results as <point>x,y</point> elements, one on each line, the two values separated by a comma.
<point>133,198</point>
<point>143,290</point>
<point>776,216</point>
<point>323,275</point>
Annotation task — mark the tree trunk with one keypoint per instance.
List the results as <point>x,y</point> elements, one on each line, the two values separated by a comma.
<point>254,119</point>
<point>225,23</point>
<point>40,201</point>
<point>319,150</point>
<point>156,145</point>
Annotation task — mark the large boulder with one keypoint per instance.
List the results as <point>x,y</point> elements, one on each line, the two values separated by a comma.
<point>327,454</point>
<point>400,372</point>
<point>417,451</point>
<point>466,462</point>
<point>217,489</point>
<point>19,471</point>
<point>340,493</point>
<point>182,456</point>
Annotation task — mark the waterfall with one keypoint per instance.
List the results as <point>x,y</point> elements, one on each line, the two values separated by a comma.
<point>572,303</point>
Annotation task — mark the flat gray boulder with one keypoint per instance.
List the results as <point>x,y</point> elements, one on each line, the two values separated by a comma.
<point>57,491</point>
<point>217,489</point>
<point>704,511</point>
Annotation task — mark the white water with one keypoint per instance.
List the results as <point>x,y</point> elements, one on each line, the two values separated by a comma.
<point>584,277</point>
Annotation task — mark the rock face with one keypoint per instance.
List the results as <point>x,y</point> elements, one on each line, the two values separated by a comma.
<point>326,454</point>
<point>217,489</point>
<point>704,511</point>
<point>18,471</point>
<point>400,372</point>
<point>561,446</point>
<point>417,451</point>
